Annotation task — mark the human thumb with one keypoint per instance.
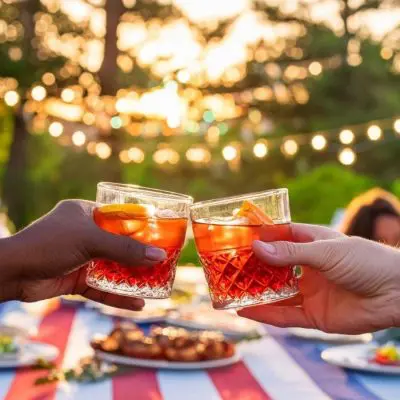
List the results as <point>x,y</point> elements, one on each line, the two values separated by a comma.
<point>124,249</point>
<point>314,254</point>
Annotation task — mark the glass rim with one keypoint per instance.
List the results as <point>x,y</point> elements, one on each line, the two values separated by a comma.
<point>231,199</point>
<point>142,191</point>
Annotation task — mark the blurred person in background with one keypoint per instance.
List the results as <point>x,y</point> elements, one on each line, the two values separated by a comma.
<point>4,231</point>
<point>4,224</point>
<point>374,215</point>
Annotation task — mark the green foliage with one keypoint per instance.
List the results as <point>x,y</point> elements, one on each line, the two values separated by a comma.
<point>396,188</point>
<point>189,254</point>
<point>6,131</point>
<point>315,196</point>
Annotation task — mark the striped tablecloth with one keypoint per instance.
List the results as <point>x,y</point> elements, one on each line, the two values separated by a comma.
<point>277,367</point>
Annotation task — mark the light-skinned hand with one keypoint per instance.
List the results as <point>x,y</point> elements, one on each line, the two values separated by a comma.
<point>349,285</point>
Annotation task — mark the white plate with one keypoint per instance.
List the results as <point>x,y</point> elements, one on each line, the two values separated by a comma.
<point>28,355</point>
<point>150,316</point>
<point>204,317</point>
<point>357,356</point>
<point>14,331</point>
<point>315,334</point>
<point>161,364</point>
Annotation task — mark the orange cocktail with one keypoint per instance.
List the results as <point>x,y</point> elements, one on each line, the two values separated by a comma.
<point>224,231</point>
<point>162,223</point>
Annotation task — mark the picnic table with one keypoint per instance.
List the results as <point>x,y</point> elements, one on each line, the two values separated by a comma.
<point>279,366</point>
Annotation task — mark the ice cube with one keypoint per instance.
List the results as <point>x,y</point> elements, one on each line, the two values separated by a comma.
<point>238,221</point>
<point>224,221</point>
<point>166,214</point>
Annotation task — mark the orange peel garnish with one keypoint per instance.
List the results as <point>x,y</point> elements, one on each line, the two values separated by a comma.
<point>254,214</point>
<point>128,210</point>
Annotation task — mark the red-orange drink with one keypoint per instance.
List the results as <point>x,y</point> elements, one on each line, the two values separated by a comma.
<point>168,234</point>
<point>224,231</point>
<point>232,270</point>
<point>160,221</point>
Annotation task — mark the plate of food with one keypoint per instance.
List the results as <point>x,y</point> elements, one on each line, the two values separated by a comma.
<point>365,357</point>
<point>315,334</point>
<point>203,316</point>
<point>165,348</point>
<point>14,354</point>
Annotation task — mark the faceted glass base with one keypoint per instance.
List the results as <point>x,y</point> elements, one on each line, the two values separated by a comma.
<point>246,300</point>
<point>123,289</point>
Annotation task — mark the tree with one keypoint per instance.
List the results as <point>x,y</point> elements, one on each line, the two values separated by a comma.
<point>28,52</point>
<point>315,196</point>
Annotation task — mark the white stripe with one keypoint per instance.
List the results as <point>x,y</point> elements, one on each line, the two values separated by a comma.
<point>86,324</point>
<point>13,314</point>
<point>384,387</point>
<point>277,373</point>
<point>193,385</point>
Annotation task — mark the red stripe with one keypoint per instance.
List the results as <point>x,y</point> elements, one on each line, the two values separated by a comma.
<point>139,384</point>
<point>54,329</point>
<point>237,383</point>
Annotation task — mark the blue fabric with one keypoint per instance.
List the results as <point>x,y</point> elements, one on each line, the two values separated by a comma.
<point>334,381</point>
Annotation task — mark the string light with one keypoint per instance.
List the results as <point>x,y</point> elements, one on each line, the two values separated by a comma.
<point>346,136</point>
<point>89,118</point>
<point>198,155</point>
<point>48,79</point>
<point>39,93</point>
<point>11,98</point>
<point>78,138</point>
<point>103,150</point>
<point>174,121</point>
<point>396,125</point>
<point>68,95</point>
<point>255,116</point>
<point>315,68</point>
<point>124,156</point>
<point>374,132</point>
<point>229,153</point>
<point>136,155</point>
<point>212,135</point>
<point>116,122</point>
<point>347,156</point>
<point>91,148</point>
<point>260,149</point>
<point>183,76</point>
<point>386,53</point>
<point>56,129</point>
<point>318,142</point>
<point>166,155</point>
<point>290,147</point>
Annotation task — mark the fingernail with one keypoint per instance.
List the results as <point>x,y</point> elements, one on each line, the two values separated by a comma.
<point>267,247</point>
<point>155,254</point>
<point>139,304</point>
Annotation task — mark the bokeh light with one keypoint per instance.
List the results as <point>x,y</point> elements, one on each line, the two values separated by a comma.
<point>78,138</point>
<point>136,155</point>
<point>374,132</point>
<point>103,150</point>
<point>319,142</point>
<point>229,153</point>
<point>396,125</point>
<point>347,156</point>
<point>290,147</point>
<point>56,129</point>
<point>346,136</point>
<point>260,149</point>
<point>68,95</point>
<point>11,98</point>
<point>39,93</point>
